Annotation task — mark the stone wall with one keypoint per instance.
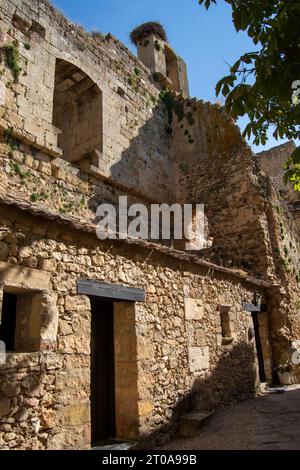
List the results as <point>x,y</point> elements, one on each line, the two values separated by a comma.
<point>271,163</point>
<point>134,142</point>
<point>218,171</point>
<point>204,161</point>
<point>250,227</point>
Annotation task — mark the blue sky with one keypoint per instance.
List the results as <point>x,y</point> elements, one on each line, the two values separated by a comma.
<point>206,40</point>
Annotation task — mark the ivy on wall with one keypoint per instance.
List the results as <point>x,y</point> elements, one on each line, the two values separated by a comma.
<point>12,59</point>
<point>175,105</point>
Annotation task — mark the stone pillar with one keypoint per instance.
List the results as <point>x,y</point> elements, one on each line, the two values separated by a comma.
<point>151,51</point>
<point>49,321</point>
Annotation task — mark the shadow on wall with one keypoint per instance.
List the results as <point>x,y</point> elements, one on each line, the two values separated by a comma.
<point>233,379</point>
<point>164,165</point>
<point>22,377</point>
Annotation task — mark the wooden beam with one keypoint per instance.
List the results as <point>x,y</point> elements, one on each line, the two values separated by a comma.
<point>110,291</point>
<point>255,307</point>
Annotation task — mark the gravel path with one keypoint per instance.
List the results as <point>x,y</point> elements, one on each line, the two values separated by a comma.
<point>269,422</point>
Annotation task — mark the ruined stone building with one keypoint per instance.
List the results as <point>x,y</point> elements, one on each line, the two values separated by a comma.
<point>119,338</point>
<point>272,164</point>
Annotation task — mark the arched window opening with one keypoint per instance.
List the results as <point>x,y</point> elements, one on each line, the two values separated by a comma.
<point>77,112</point>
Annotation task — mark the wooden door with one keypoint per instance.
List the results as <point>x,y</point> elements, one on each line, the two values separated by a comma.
<point>259,352</point>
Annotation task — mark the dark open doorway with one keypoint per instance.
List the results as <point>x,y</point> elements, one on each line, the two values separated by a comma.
<point>259,352</point>
<point>103,419</point>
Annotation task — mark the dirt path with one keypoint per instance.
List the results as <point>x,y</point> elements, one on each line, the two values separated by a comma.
<point>267,423</point>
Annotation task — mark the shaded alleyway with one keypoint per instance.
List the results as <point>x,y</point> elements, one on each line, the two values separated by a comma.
<point>271,422</point>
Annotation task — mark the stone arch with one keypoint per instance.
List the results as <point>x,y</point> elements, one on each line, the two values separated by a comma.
<point>172,68</point>
<point>77,112</point>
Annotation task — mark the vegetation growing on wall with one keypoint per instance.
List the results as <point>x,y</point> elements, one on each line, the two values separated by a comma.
<point>174,105</point>
<point>134,79</point>
<point>9,139</point>
<point>156,77</point>
<point>18,170</point>
<point>98,35</point>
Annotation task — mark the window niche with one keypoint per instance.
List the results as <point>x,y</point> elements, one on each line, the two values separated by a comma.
<point>77,114</point>
<point>28,321</point>
<point>172,68</point>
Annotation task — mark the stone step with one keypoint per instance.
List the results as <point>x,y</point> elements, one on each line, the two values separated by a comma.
<point>191,424</point>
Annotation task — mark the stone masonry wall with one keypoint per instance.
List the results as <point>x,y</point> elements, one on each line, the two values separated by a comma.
<point>44,396</point>
<point>218,171</point>
<point>182,359</point>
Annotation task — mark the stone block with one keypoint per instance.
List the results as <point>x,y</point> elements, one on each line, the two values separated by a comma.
<point>27,278</point>
<point>145,408</point>
<point>2,93</point>
<point>48,265</point>
<point>10,389</point>
<point>76,415</point>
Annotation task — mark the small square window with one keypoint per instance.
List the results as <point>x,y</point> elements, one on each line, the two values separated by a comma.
<point>8,321</point>
<point>20,321</point>
<point>226,324</point>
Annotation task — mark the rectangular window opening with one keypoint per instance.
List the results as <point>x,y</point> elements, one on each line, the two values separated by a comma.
<point>8,321</point>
